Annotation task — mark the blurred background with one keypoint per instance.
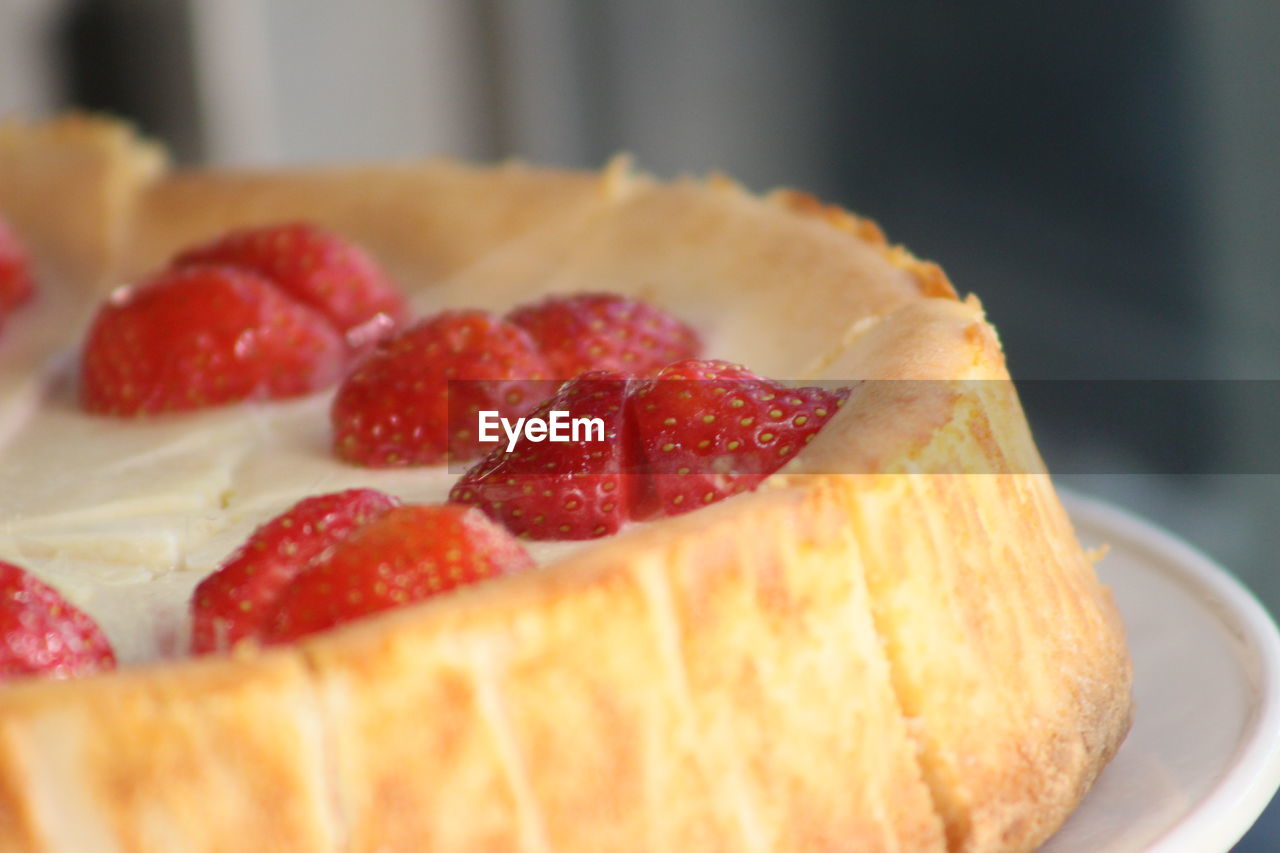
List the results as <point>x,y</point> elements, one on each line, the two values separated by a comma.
<point>1105,175</point>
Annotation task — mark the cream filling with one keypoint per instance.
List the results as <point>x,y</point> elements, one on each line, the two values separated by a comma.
<point>125,517</point>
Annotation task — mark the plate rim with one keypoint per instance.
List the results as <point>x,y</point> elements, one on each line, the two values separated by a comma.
<point>1235,802</point>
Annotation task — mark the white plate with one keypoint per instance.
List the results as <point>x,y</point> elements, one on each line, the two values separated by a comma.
<point>1203,757</point>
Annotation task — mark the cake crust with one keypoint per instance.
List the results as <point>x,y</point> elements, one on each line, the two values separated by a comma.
<point>857,656</point>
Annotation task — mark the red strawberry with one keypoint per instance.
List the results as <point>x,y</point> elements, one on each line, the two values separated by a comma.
<point>562,490</point>
<point>203,336</point>
<point>235,602</point>
<point>709,430</point>
<point>16,285</point>
<point>395,407</point>
<point>604,331</point>
<point>45,634</point>
<point>408,554</point>
<point>316,267</point>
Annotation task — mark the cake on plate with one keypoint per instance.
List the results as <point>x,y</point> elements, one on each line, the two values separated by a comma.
<point>893,642</point>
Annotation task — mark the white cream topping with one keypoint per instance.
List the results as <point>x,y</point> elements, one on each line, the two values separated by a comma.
<point>126,516</point>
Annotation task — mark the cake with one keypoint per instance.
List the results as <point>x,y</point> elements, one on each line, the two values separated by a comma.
<point>895,643</point>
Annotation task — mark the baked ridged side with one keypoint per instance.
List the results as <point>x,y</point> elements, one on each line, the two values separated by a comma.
<point>210,756</point>
<point>1011,670</point>
<point>714,685</point>
<point>1007,655</point>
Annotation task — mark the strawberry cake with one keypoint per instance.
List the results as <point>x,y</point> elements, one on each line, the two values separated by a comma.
<point>270,585</point>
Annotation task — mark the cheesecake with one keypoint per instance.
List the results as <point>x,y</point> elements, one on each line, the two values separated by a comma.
<point>895,642</point>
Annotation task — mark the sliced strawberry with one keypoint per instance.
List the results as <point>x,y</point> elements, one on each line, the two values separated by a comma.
<point>562,490</point>
<point>395,407</point>
<point>16,285</point>
<point>407,554</point>
<point>204,336</point>
<point>43,633</point>
<point>710,429</point>
<point>235,602</point>
<point>316,267</point>
<point>604,331</point>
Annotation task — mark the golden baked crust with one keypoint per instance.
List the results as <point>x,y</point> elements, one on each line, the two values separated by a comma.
<point>167,758</point>
<point>69,187</point>
<point>857,656</point>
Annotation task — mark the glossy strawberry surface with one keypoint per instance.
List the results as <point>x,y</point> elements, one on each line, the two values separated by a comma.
<point>711,429</point>
<point>43,634</point>
<point>407,554</point>
<point>396,407</point>
<point>573,489</point>
<point>16,281</point>
<point>317,267</point>
<point>201,336</point>
<point>235,602</point>
<point>605,331</point>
